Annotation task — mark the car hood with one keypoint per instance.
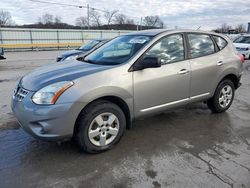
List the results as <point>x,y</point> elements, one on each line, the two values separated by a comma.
<point>72,52</point>
<point>242,45</point>
<point>67,71</point>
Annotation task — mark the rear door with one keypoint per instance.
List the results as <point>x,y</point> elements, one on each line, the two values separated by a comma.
<point>205,64</point>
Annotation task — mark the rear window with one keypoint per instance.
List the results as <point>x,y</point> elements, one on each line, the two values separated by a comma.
<point>200,45</point>
<point>221,43</point>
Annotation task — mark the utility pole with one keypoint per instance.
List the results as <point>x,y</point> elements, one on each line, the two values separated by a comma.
<point>88,14</point>
<point>141,24</point>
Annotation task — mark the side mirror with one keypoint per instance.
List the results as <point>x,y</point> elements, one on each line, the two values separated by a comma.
<point>147,62</point>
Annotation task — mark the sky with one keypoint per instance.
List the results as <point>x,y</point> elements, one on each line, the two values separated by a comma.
<point>191,14</point>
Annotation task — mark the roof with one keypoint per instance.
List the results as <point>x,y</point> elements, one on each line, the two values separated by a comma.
<point>149,32</point>
<point>98,39</point>
<point>154,32</point>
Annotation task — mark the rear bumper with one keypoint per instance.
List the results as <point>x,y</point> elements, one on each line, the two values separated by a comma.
<point>246,54</point>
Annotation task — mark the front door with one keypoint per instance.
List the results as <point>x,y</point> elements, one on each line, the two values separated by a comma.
<point>157,89</point>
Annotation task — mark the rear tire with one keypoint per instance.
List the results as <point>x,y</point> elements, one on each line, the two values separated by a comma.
<point>100,126</point>
<point>223,97</point>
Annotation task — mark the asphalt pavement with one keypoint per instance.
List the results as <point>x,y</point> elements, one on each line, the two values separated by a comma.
<point>188,147</point>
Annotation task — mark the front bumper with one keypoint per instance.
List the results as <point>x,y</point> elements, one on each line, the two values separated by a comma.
<point>46,122</point>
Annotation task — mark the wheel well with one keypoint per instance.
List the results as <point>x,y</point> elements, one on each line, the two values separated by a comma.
<point>119,102</point>
<point>233,78</point>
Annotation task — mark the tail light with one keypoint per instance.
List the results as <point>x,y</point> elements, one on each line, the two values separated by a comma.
<point>242,58</point>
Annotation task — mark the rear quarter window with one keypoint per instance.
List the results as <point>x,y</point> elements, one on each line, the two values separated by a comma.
<point>221,42</point>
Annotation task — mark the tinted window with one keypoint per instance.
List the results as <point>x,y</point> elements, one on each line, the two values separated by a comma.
<point>220,42</point>
<point>169,49</point>
<point>200,45</point>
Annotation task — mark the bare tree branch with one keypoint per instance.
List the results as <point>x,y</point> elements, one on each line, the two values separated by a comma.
<point>241,28</point>
<point>58,19</point>
<point>109,16</point>
<point>82,21</point>
<point>153,21</point>
<point>122,19</point>
<point>95,17</point>
<point>46,19</point>
<point>5,18</point>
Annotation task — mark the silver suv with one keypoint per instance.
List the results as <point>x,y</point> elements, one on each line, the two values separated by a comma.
<point>131,76</point>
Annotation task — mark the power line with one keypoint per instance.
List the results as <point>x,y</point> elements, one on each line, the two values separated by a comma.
<point>65,4</point>
<point>80,6</point>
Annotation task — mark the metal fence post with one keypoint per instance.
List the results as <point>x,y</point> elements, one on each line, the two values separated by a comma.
<point>82,37</point>
<point>101,34</point>
<point>1,36</point>
<point>31,39</point>
<point>57,36</point>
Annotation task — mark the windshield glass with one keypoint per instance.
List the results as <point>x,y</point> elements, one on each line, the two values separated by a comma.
<point>89,45</point>
<point>243,39</point>
<point>118,50</point>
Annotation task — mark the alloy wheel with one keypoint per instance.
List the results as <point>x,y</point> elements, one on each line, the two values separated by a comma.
<point>225,96</point>
<point>103,129</point>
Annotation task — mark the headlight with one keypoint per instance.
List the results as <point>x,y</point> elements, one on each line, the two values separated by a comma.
<point>73,57</point>
<point>50,93</point>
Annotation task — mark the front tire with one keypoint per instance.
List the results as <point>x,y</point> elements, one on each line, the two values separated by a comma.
<point>223,97</point>
<point>100,126</point>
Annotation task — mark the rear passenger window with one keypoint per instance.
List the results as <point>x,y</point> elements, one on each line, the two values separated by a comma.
<point>200,45</point>
<point>221,43</point>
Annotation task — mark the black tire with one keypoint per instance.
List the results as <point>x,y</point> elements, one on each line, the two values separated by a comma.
<point>88,115</point>
<point>214,104</point>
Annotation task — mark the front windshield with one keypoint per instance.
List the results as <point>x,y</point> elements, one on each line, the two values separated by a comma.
<point>89,45</point>
<point>118,50</point>
<point>243,39</point>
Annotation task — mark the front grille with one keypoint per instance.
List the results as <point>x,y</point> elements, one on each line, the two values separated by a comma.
<point>20,93</point>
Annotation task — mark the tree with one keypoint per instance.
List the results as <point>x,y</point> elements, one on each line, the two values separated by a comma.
<point>240,28</point>
<point>109,16</point>
<point>46,19</point>
<point>153,21</point>
<point>224,28</point>
<point>57,20</point>
<point>82,21</point>
<point>122,19</point>
<point>95,18</point>
<point>5,18</point>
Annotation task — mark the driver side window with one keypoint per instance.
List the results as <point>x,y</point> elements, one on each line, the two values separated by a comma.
<point>168,49</point>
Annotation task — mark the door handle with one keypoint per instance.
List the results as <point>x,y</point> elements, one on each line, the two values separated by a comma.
<point>220,63</point>
<point>183,71</point>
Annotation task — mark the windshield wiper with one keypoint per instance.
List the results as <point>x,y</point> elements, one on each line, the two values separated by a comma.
<point>88,61</point>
